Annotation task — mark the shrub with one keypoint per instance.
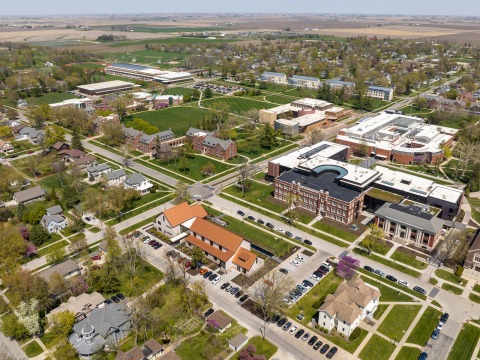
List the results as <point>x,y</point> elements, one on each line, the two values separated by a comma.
<point>355,333</point>
<point>459,271</point>
<point>317,304</point>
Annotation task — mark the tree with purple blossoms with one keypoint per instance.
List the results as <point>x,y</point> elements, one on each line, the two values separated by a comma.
<point>30,249</point>
<point>346,267</point>
<point>23,230</point>
<point>248,353</point>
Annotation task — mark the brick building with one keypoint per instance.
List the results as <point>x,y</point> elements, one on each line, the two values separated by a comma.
<point>207,143</point>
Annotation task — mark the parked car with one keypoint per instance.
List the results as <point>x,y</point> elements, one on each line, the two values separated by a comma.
<point>224,285</point>
<point>146,240</point>
<point>269,225</point>
<point>308,242</point>
<point>403,283</point>
<point>440,326</point>
<point>260,221</point>
<point>379,273</point>
<point>305,336</point>
<point>203,271</point>
<point>368,268</point>
<point>280,230</point>
<point>420,290</point>
<point>282,322</point>
<point>240,212</point>
<point>299,238</point>
<point>299,258</point>
<point>212,277</point>
<point>327,265</point>
<point>208,312</point>
<point>318,274</point>
<point>314,277</point>
<point>250,217</point>
<point>289,234</point>
<point>228,288</point>
<point>96,257</point>
<point>243,298</point>
<point>287,326</point>
<point>423,356</point>
<point>391,278</point>
<point>234,290</point>
<point>115,299</point>
<point>293,329</point>
<point>332,352</point>
<point>157,246</point>
<point>435,334</point>
<point>284,271</point>
<point>87,218</point>
<point>324,349</point>
<point>216,280</point>
<point>317,345</point>
<point>275,318</point>
<point>294,262</point>
<point>308,283</point>
<point>239,293</point>
<point>299,333</point>
<point>444,317</point>
<point>121,296</point>
<point>312,340</point>
<point>108,301</point>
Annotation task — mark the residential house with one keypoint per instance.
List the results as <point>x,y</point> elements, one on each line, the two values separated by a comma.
<point>96,171</point>
<point>54,210</point>
<point>67,269</point>
<point>16,128</point>
<point>86,160</point>
<point>472,261</point>
<point>60,146</point>
<point>54,221</point>
<point>71,155</point>
<point>238,342</point>
<point>6,147</point>
<point>206,142</point>
<point>220,321</point>
<point>81,305</point>
<point>151,350</point>
<point>116,177</point>
<point>32,135</point>
<point>170,221</point>
<point>351,303</point>
<point>138,182</point>
<point>104,326</point>
<point>29,195</point>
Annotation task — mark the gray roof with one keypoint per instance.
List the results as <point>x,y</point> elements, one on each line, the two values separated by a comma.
<point>192,131</point>
<point>64,268</point>
<point>238,340</point>
<point>30,132</point>
<point>270,73</point>
<point>134,179</point>
<point>47,219</point>
<point>29,194</point>
<point>411,215</point>
<point>211,141</point>
<point>131,131</point>
<point>443,100</point>
<point>54,210</point>
<point>98,168</point>
<point>115,174</point>
<point>309,78</point>
<point>102,320</point>
<point>380,88</point>
<point>163,135</point>
<point>340,82</point>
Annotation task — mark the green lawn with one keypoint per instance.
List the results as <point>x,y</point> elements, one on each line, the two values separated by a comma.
<point>408,259</point>
<point>137,225</point>
<point>196,164</point>
<point>381,308</point>
<point>55,247</point>
<point>408,353</point>
<point>394,265</point>
<point>377,349</point>
<point>316,296</point>
<point>387,294</point>
<point>398,321</point>
<point>336,231</point>
<point>475,204</point>
<point>251,148</point>
<point>465,343</point>
<point>279,99</point>
<point>259,194</point>
<point>178,119</point>
<point>94,230</point>
<point>32,349</point>
<point>453,289</point>
<point>263,346</point>
<point>445,275</point>
<point>50,98</point>
<point>384,195</point>
<point>49,339</point>
<point>272,153</point>
<point>347,345</point>
<point>427,323</point>
<point>238,105</point>
<point>474,297</point>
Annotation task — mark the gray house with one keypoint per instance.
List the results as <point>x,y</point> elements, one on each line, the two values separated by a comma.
<point>30,195</point>
<point>105,326</point>
<point>96,171</point>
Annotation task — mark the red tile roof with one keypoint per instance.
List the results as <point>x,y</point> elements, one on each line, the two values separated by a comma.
<point>217,234</point>
<point>183,212</point>
<point>244,258</point>
<point>213,251</point>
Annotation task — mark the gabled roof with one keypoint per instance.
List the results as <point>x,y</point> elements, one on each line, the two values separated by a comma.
<point>102,321</point>
<point>244,258</point>
<point>85,159</point>
<point>98,168</point>
<point>64,268</point>
<point>183,212</point>
<point>163,135</point>
<point>29,194</point>
<point>220,319</point>
<point>59,144</point>
<point>212,141</point>
<point>194,131</point>
<point>54,210</point>
<point>74,153</point>
<point>134,179</point>
<point>47,219</point>
<point>131,132</point>
<point>116,174</point>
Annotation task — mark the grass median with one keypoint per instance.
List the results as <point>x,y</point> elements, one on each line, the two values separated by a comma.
<point>465,343</point>
<point>427,323</point>
<point>389,263</point>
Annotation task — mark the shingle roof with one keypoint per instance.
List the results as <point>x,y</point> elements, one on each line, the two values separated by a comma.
<point>85,159</point>
<point>221,320</point>
<point>238,340</point>
<point>98,168</point>
<point>211,141</point>
<point>134,179</point>
<point>183,212</point>
<point>29,194</point>
<point>131,132</point>
<point>163,135</point>
<point>193,131</point>
<point>115,174</point>
<point>102,321</point>
<point>64,268</point>
<point>54,210</point>
<point>47,219</point>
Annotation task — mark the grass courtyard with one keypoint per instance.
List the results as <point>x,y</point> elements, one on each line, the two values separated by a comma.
<point>387,293</point>
<point>425,326</point>
<point>398,321</point>
<point>465,343</point>
<point>377,348</point>
<point>238,105</point>
<point>408,353</point>
<point>259,194</point>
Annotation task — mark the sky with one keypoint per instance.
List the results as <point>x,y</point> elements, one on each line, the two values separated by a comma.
<point>411,7</point>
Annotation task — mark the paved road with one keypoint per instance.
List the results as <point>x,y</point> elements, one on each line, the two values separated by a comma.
<point>10,348</point>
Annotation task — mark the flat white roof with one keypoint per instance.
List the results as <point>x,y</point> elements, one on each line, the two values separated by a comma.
<point>404,182</point>
<point>70,102</point>
<point>171,75</point>
<point>312,102</point>
<point>446,193</point>
<point>309,119</point>
<point>105,85</point>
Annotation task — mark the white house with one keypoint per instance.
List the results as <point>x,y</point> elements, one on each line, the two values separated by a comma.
<point>96,171</point>
<point>115,178</point>
<point>305,81</point>
<point>53,223</point>
<point>169,221</point>
<point>6,147</point>
<point>350,304</point>
<point>138,182</point>
<point>32,135</point>
<point>274,77</point>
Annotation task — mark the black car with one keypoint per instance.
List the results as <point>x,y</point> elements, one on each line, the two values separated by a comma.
<point>208,312</point>
<point>299,333</point>
<point>212,277</point>
<point>391,278</point>
<point>234,290</point>
<point>332,352</point>
<point>108,301</point>
<point>224,285</point>
<point>312,340</point>
<point>324,268</point>
<point>284,271</point>
<point>158,246</point>
<point>309,283</point>
<point>243,298</point>
<point>240,212</point>
<point>260,221</point>
<point>275,318</point>
<point>269,225</point>
<point>115,299</point>
<point>435,334</point>
<point>420,290</point>
<point>423,356</point>
<point>282,322</point>
<point>322,271</point>
<point>318,274</point>
<point>317,345</point>
<point>324,349</point>
<point>238,294</point>
<point>308,242</point>
<point>368,268</point>
<point>207,274</point>
<point>121,296</point>
<point>444,318</point>
<point>288,233</point>
<point>250,217</point>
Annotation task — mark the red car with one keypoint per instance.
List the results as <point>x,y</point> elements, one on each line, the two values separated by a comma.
<point>152,242</point>
<point>96,257</point>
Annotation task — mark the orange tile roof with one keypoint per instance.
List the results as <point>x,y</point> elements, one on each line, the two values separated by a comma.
<point>217,234</point>
<point>183,212</point>
<point>219,254</point>
<point>244,258</point>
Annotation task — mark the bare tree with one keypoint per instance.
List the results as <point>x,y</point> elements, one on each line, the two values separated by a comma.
<point>449,247</point>
<point>132,256</point>
<point>253,118</point>
<point>314,136</point>
<point>267,294</point>
<point>244,173</point>
<point>466,150</point>
<point>291,200</point>
<point>181,193</point>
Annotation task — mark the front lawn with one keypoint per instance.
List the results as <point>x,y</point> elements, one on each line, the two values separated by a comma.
<point>445,275</point>
<point>258,194</point>
<point>263,346</point>
<point>398,255</point>
<point>335,231</point>
<point>394,265</point>
<point>387,294</point>
<point>316,296</point>
<point>380,311</point>
<point>408,353</point>
<point>398,321</point>
<point>427,323</point>
<point>453,289</point>
<point>52,248</point>
<point>32,349</point>
<point>474,297</point>
<point>465,343</point>
<point>50,339</point>
<point>377,349</point>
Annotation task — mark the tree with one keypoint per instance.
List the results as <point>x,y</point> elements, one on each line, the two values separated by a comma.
<point>244,170</point>
<point>57,285</point>
<point>267,295</point>
<point>183,164</point>
<point>120,198</point>
<point>314,136</point>
<point>62,323</point>
<point>362,149</point>
<point>13,328</point>
<point>208,92</point>
<point>113,134</point>
<point>374,238</point>
<point>346,267</point>
<point>39,235</point>
<point>181,193</point>
<point>5,131</point>
<point>208,169</point>
<point>53,134</point>
<point>65,351</point>
<point>142,125</point>
<point>248,353</point>
<point>56,256</point>
<point>27,313</point>
<point>253,118</point>
<point>291,200</point>
<point>268,137</point>
<point>197,256</point>
<point>12,248</point>
<point>120,107</point>
<point>76,142</point>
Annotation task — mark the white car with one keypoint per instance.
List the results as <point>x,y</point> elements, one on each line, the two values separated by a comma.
<point>294,263</point>
<point>293,329</point>
<point>327,265</point>
<point>299,258</point>
<point>314,277</point>
<point>439,326</point>
<point>403,283</point>
<point>216,281</point>
<point>147,240</point>
<point>280,230</point>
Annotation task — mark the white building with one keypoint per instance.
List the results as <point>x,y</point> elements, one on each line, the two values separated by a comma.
<point>350,304</point>
<point>169,222</point>
<point>138,182</point>
<point>82,103</point>
<point>381,93</point>
<point>274,77</point>
<point>305,81</point>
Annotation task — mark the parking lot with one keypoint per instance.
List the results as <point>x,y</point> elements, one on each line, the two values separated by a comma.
<point>221,89</point>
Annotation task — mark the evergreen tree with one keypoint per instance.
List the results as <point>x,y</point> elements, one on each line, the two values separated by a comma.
<point>76,142</point>
<point>208,92</point>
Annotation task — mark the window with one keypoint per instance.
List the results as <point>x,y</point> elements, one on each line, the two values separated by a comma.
<point>477,258</point>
